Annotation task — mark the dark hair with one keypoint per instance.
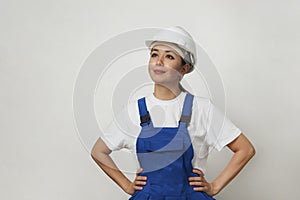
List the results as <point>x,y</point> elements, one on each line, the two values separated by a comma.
<point>183,62</point>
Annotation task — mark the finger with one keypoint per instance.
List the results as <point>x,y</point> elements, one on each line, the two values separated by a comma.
<point>139,171</point>
<point>138,177</point>
<point>138,183</point>
<point>141,178</point>
<point>201,189</point>
<point>137,187</point>
<point>198,171</point>
<point>193,178</point>
<point>198,184</point>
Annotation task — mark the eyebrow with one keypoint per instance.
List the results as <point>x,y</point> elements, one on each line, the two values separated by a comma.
<point>167,51</point>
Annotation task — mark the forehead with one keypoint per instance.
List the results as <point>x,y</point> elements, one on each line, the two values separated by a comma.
<point>161,47</point>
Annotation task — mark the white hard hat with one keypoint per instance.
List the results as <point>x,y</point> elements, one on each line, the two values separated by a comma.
<point>177,35</point>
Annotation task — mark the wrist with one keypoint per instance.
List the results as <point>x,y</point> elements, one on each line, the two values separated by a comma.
<point>128,188</point>
<point>215,189</point>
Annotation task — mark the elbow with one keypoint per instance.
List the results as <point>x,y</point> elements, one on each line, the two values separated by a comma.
<point>98,157</point>
<point>98,153</point>
<point>94,153</point>
<point>251,152</point>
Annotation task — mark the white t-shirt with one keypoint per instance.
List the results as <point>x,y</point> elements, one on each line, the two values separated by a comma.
<point>209,128</point>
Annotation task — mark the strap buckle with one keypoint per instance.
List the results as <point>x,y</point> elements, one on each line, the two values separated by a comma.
<point>145,118</point>
<point>186,119</point>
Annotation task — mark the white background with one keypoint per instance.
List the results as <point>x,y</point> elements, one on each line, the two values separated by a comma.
<point>254,45</point>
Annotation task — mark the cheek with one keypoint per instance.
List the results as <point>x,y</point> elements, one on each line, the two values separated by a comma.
<point>151,65</point>
<point>176,66</point>
<point>150,69</point>
<point>151,61</point>
<point>174,73</point>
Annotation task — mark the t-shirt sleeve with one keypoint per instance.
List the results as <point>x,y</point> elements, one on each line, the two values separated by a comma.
<point>220,130</point>
<point>122,131</point>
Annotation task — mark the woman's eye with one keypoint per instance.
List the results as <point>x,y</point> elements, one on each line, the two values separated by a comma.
<point>153,55</point>
<point>170,57</point>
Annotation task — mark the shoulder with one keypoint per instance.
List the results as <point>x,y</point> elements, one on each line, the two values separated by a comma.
<point>127,113</point>
<point>202,103</point>
<point>202,100</point>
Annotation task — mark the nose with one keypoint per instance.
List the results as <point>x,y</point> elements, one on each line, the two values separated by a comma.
<point>159,61</point>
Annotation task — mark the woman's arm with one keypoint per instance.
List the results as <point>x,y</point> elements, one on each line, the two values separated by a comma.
<point>100,154</point>
<point>243,152</point>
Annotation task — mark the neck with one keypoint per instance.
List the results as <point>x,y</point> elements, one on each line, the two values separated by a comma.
<point>166,93</point>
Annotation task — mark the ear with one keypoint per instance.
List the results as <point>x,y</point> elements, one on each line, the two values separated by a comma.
<point>185,68</point>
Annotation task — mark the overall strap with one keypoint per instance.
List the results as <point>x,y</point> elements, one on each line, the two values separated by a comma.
<point>144,114</point>
<point>187,109</point>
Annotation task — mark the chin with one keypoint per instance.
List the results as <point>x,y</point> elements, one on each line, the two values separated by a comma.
<point>163,83</point>
<point>158,81</point>
<point>162,79</point>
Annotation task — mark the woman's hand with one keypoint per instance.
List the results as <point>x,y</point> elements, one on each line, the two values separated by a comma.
<point>138,182</point>
<point>200,183</point>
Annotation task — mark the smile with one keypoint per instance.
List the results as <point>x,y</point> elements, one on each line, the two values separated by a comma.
<point>158,71</point>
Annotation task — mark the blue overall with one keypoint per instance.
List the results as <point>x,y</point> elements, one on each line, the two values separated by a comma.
<point>165,154</point>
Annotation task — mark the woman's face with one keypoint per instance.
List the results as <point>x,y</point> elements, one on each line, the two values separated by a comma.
<point>165,66</point>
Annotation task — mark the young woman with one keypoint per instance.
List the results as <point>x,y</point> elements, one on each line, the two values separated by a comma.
<point>172,146</point>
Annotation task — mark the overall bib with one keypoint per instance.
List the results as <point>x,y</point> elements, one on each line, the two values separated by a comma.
<point>165,154</point>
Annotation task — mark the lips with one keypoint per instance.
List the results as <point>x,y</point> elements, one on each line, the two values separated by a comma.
<point>159,71</point>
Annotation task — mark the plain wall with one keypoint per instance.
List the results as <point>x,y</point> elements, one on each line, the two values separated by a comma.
<point>43,44</point>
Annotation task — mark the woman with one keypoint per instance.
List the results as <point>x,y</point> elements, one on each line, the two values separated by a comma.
<point>172,150</point>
